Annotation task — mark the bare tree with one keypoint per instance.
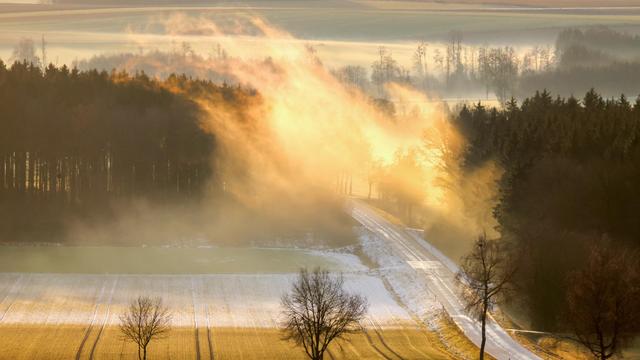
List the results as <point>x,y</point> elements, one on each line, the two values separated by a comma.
<point>352,75</point>
<point>603,300</point>
<point>420,64</point>
<point>43,54</point>
<point>318,310</point>
<point>25,50</point>
<point>486,272</point>
<point>145,320</point>
<point>386,69</point>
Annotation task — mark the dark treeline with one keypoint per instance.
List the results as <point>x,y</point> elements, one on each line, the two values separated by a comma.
<point>594,57</point>
<point>618,77</point>
<point>571,170</point>
<point>72,141</point>
<point>598,41</point>
<point>107,157</point>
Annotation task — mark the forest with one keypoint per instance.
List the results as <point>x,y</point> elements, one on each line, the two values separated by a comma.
<point>101,157</point>
<point>570,169</point>
<point>72,142</point>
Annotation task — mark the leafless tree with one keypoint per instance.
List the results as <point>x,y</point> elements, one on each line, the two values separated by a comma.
<point>486,273</point>
<point>603,300</point>
<point>25,50</point>
<point>43,54</point>
<point>318,310</point>
<point>145,320</point>
<point>420,63</point>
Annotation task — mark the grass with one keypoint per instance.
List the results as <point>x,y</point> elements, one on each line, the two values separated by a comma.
<point>455,340</point>
<point>551,346</point>
<point>62,342</point>
<point>40,342</point>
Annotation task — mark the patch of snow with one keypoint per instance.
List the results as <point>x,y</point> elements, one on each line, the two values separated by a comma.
<point>345,260</point>
<point>224,300</point>
<point>407,284</point>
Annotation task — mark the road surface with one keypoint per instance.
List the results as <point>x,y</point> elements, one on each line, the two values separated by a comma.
<point>439,272</point>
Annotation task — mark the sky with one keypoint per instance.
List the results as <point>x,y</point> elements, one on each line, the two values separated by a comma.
<point>343,32</point>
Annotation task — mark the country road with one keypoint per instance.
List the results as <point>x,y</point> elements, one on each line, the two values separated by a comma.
<point>439,272</point>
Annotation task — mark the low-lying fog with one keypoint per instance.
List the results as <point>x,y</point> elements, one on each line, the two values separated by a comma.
<point>343,33</point>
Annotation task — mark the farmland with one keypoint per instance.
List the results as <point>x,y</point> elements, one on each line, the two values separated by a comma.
<point>167,260</point>
<point>72,315</point>
<point>61,302</point>
<point>62,342</point>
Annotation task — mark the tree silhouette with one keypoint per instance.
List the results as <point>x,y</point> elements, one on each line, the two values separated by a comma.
<point>604,300</point>
<point>486,273</point>
<point>146,319</point>
<point>318,311</point>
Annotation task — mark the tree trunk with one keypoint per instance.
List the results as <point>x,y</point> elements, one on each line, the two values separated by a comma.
<point>144,353</point>
<point>484,334</point>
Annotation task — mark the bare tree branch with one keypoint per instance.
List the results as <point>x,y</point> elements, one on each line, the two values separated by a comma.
<point>318,310</point>
<point>604,300</point>
<point>486,273</point>
<point>145,320</point>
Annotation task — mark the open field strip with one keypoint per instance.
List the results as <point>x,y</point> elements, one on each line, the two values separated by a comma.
<point>75,316</point>
<point>231,300</point>
<point>59,342</point>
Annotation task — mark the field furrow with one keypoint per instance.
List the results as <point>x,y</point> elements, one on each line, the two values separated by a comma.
<point>223,316</point>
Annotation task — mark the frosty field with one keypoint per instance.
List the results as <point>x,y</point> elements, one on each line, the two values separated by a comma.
<point>168,260</point>
<point>231,316</point>
<point>67,315</point>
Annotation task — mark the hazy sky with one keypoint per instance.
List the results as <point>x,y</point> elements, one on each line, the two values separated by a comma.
<point>341,31</point>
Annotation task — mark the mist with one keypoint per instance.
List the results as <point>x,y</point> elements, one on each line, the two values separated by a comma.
<point>292,143</point>
<point>295,135</point>
<point>423,164</point>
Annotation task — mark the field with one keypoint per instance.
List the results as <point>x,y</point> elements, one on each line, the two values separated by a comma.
<point>168,260</point>
<point>232,316</point>
<point>63,342</point>
<point>60,302</point>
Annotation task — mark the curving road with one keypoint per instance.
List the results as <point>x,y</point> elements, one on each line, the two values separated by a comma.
<point>439,272</point>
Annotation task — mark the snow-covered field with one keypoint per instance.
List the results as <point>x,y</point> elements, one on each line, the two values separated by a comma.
<point>232,314</point>
<point>396,296</point>
<point>227,308</point>
<point>170,259</point>
<point>219,300</point>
